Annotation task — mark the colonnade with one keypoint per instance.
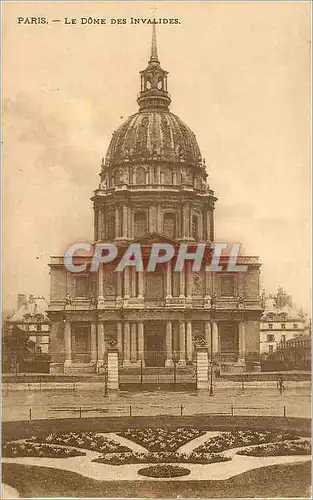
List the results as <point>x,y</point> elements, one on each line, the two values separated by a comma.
<point>130,339</point>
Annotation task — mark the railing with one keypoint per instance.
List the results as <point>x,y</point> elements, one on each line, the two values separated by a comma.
<point>26,412</point>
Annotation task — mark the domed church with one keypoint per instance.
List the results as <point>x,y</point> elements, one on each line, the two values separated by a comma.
<point>154,188</point>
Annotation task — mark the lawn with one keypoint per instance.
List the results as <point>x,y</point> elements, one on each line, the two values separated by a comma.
<point>276,481</point>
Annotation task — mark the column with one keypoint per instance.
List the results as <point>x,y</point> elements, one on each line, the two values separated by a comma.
<point>169,344</point>
<point>126,343</point>
<point>125,222</point>
<point>100,283</point>
<point>189,264</point>
<point>130,223</point>
<point>140,284</point>
<point>67,343</point>
<point>207,334</point>
<point>182,283</point>
<point>168,279</point>
<point>119,337</point>
<point>96,222</point>
<point>118,285</point>
<point>215,338</point>
<point>189,341</point>
<point>93,342</point>
<point>126,283</point>
<point>208,226</point>
<point>141,355</point>
<point>133,280</point>
<point>158,221</point>
<point>242,341</point>
<point>133,351</point>
<point>187,220</point>
<point>182,344</point>
<point>117,222</point>
<point>101,346</point>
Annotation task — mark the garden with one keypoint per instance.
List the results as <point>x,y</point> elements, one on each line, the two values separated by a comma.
<point>161,449</point>
<point>282,448</point>
<point>13,449</point>
<point>160,439</point>
<point>236,439</point>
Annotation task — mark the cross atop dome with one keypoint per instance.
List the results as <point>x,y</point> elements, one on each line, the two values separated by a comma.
<point>154,49</point>
<point>153,92</point>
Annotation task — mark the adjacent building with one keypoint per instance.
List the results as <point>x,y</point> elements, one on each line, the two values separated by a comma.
<point>153,188</point>
<point>280,322</point>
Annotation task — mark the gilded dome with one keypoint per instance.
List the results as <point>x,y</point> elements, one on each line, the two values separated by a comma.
<point>153,134</point>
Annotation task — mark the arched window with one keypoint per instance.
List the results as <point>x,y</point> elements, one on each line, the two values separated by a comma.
<point>140,224</point>
<point>166,176</point>
<point>195,227</point>
<point>169,225</point>
<point>148,85</point>
<point>141,176</point>
<point>160,83</point>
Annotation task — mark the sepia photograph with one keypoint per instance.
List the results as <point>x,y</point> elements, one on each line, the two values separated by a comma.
<point>156,249</point>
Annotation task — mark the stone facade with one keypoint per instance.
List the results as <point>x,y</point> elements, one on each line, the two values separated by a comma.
<point>153,188</point>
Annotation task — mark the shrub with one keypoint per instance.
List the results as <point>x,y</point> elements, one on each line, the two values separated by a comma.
<point>235,439</point>
<point>279,449</point>
<point>86,440</point>
<point>160,457</point>
<point>164,471</point>
<point>25,449</point>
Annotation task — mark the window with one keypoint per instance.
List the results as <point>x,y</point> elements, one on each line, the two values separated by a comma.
<point>270,349</point>
<point>227,286</point>
<point>270,338</point>
<point>270,326</point>
<point>38,327</point>
<point>141,176</point>
<point>140,223</point>
<point>81,286</point>
<point>169,225</point>
<point>283,326</point>
<point>295,325</point>
<point>166,176</point>
<point>283,338</point>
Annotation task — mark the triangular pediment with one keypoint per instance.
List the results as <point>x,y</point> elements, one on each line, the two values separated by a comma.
<point>155,237</point>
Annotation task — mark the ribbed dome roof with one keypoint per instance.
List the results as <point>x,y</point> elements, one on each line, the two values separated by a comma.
<point>153,134</point>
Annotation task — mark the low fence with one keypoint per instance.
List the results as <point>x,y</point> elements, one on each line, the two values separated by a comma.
<point>26,412</point>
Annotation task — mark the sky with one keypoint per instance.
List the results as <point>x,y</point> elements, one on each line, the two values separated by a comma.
<point>239,76</point>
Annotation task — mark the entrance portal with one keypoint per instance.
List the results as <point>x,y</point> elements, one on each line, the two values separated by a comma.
<point>155,354</point>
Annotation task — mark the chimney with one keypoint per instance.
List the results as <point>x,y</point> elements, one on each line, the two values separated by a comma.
<point>21,299</point>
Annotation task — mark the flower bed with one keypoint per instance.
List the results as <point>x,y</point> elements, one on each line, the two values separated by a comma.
<point>26,449</point>
<point>164,471</point>
<point>279,449</point>
<point>160,439</point>
<point>235,439</point>
<point>86,440</point>
<point>160,457</point>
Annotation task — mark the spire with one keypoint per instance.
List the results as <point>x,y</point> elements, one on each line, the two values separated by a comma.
<point>153,91</point>
<point>154,49</point>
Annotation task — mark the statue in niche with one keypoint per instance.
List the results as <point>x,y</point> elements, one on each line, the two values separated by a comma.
<point>213,300</point>
<point>103,183</point>
<point>93,300</point>
<point>183,176</point>
<point>208,301</point>
<point>240,301</point>
<point>68,299</point>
